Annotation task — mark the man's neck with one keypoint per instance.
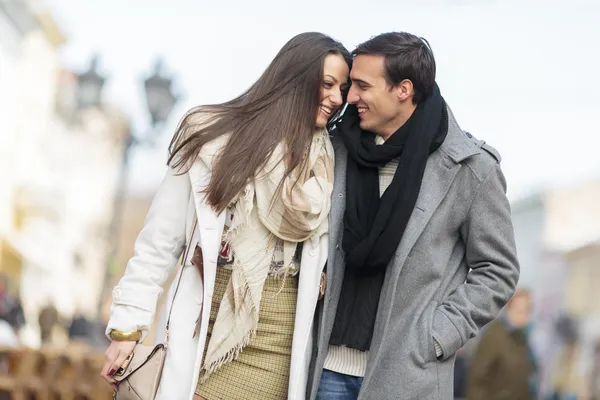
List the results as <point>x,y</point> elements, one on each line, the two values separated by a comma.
<point>398,122</point>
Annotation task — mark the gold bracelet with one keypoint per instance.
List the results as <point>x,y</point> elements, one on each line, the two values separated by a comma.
<point>119,336</point>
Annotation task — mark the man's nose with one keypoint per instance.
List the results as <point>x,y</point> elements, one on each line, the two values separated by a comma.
<point>353,97</point>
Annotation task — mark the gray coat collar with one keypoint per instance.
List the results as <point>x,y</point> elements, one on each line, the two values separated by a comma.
<point>458,144</point>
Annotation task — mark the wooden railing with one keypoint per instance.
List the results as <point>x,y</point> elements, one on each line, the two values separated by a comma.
<point>51,374</point>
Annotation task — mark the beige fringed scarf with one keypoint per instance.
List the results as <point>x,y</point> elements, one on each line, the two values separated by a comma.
<point>299,213</point>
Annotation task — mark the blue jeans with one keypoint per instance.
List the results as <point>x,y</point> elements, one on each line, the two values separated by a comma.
<point>336,386</point>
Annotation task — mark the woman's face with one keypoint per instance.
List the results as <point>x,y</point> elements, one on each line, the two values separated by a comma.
<point>335,82</point>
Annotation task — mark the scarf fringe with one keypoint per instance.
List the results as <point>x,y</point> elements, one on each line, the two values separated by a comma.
<point>231,355</point>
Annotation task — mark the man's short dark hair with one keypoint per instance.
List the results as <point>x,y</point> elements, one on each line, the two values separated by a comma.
<point>406,57</point>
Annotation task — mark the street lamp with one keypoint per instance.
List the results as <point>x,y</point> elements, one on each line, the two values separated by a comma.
<point>159,95</point>
<point>160,101</point>
<point>89,86</point>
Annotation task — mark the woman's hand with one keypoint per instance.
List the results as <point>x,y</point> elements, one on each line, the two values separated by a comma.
<point>114,357</point>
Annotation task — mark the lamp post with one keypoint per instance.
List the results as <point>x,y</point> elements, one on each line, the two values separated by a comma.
<point>160,101</point>
<point>90,85</point>
<point>160,98</point>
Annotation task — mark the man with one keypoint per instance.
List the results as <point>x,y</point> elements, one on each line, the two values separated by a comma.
<point>422,249</point>
<point>504,366</point>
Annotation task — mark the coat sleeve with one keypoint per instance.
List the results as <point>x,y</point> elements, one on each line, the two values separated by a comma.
<point>157,250</point>
<point>494,269</point>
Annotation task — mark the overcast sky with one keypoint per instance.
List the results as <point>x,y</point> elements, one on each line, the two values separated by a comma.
<point>521,75</point>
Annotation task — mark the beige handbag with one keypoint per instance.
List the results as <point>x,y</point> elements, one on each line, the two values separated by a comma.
<point>140,379</point>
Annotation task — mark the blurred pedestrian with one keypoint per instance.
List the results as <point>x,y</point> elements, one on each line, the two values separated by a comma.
<point>595,374</point>
<point>258,172</point>
<point>461,373</point>
<point>566,377</point>
<point>16,315</point>
<point>48,318</point>
<point>504,366</point>
<point>8,334</point>
<point>568,380</point>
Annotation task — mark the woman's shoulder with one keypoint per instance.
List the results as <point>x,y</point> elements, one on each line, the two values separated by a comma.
<point>203,118</point>
<point>196,118</point>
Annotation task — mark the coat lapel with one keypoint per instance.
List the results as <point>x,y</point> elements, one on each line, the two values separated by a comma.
<point>336,215</point>
<point>438,177</point>
<point>440,171</point>
<point>210,227</point>
<point>338,201</point>
<point>208,221</point>
<point>335,270</point>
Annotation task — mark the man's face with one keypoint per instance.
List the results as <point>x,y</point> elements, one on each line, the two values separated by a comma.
<point>378,105</point>
<point>519,311</point>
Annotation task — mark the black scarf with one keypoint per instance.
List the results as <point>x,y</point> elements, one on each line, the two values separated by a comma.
<point>374,225</point>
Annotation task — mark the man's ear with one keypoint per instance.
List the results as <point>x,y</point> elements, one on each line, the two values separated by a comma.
<point>404,90</point>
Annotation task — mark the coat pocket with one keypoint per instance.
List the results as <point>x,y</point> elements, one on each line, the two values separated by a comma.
<point>424,338</point>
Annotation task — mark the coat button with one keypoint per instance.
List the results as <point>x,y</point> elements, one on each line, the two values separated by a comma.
<point>312,253</point>
<point>117,294</point>
<point>340,195</point>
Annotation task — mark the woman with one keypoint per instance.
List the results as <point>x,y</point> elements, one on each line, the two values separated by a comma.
<point>257,172</point>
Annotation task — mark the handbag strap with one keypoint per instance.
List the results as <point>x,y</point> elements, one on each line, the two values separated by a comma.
<point>186,252</point>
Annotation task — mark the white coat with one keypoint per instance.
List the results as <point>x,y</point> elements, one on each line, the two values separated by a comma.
<point>157,250</point>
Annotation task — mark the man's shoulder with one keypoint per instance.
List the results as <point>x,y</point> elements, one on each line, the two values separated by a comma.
<point>488,157</point>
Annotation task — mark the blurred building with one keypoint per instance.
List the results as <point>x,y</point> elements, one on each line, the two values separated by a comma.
<point>29,40</point>
<point>558,242</point>
<point>529,218</point>
<point>573,227</point>
<point>561,223</point>
<point>59,170</point>
<point>67,210</point>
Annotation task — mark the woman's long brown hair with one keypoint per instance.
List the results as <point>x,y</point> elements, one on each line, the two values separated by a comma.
<point>282,105</point>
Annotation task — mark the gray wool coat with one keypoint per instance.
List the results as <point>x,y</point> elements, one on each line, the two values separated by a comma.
<point>454,269</point>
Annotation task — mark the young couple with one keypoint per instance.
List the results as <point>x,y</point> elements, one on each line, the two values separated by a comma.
<point>336,257</point>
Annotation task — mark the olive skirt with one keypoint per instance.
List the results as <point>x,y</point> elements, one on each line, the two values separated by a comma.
<point>262,370</point>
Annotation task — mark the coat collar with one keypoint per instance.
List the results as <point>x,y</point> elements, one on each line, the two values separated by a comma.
<point>458,145</point>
